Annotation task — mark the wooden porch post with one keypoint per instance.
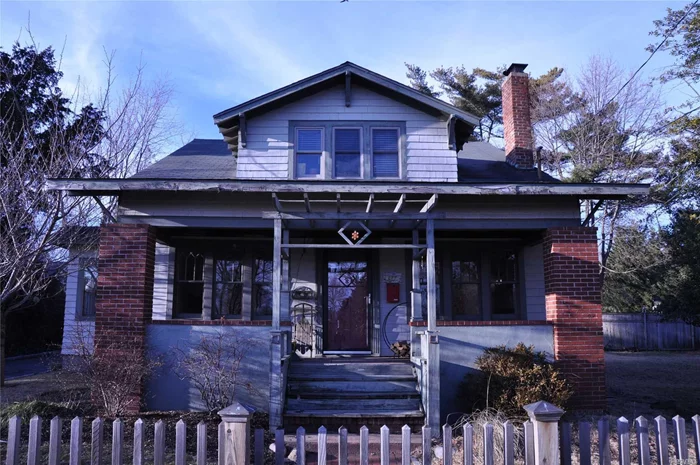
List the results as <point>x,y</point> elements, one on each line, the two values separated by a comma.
<point>416,303</point>
<point>430,268</point>
<point>277,275</point>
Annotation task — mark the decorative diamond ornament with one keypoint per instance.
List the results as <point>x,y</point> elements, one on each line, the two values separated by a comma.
<point>357,236</point>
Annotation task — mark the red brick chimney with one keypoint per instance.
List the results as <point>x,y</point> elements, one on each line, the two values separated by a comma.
<point>517,128</point>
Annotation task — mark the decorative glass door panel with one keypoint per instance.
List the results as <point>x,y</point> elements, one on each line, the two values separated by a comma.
<point>347,327</point>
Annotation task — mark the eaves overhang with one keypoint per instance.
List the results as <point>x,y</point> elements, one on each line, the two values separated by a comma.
<point>112,187</point>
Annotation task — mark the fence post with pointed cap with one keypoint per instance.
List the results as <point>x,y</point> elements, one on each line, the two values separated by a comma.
<point>545,418</point>
<point>236,420</point>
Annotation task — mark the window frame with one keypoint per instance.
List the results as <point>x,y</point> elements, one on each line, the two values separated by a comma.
<point>242,283</point>
<point>177,281</point>
<point>399,174</point>
<point>83,263</point>
<point>327,159</point>
<point>361,131</point>
<point>322,164</point>
<point>517,310</point>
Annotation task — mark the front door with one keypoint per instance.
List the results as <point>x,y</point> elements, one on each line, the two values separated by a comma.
<point>347,301</point>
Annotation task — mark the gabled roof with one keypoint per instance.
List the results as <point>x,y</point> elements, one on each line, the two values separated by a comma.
<point>340,70</point>
<point>232,121</point>
<point>199,159</point>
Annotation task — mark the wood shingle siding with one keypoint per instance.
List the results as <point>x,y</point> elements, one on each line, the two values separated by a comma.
<point>266,155</point>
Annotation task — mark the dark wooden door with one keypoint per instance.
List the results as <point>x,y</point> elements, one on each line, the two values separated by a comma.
<point>347,296</point>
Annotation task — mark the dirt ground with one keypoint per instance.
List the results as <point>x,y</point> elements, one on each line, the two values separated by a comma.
<point>653,383</point>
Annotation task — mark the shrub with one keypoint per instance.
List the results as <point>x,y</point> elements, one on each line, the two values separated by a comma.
<point>510,378</point>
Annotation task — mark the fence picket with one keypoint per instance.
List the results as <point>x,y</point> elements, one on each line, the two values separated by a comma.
<point>661,440</point>
<point>280,447</point>
<point>696,437</point>
<point>681,439</point>
<point>446,444</point>
<point>138,442</point>
<point>258,457</point>
<point>55,442</point>
<point>159,443</point>
<point>301,446</point>
<point>468,444</point>
<point>642,430</point>
<point>13,441</point>
<point>427,450</point>
<point>529,433</point>
<point>180,442</point>
<point>508,445</point>
<point>604,442</point>
<point>364,446</point>
<point>623,437</point>
<point>322,445</point>
<point>96,441</point>
<point>565,442</point>
<point>34,447</point>
<point>488,444</point>
<point>76,443</point>
<point>343,446</point>
<point>406,445</point>
<point>384,445</point>
<point>117,442</point>
<point>201,443</point>
<point>584,441</point>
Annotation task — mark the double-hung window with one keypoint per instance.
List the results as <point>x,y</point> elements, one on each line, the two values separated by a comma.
<point>309,152</point>
<point>262,285</point>
<point>189,283</point>
<point>385,152</point>
<point>88,286</point>
<point>466,286</point>
<point>228,287</point>
<point>504,282</point>
<point>347,152</point>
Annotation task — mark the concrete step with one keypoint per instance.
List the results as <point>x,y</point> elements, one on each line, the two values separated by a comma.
<point>350,371</point>
<point>352,389</point>
<point>387,408</point>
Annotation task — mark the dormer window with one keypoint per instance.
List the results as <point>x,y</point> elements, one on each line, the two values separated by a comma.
<point>309,154</point>
<point>348,149</point>
<point>347,152</point>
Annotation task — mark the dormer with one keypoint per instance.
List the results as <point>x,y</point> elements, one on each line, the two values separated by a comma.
<point>346,123</point>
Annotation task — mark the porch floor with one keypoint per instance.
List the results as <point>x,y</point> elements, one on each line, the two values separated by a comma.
<point>352,391</point>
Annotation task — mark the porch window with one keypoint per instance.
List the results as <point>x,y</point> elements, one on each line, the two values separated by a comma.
<point>189,283</point>
<point>466,284</point>
<point>385,152</point>
<point>347,152</point>
<point>228,288</point>
<point>262,286</point>
<point>88,287</point>
<point>504,282</point>
<point>309,152</point>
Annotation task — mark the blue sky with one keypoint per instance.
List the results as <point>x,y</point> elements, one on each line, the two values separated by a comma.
<point>218,54</point>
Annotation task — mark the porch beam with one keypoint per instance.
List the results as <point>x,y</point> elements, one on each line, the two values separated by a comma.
<point>430,204</point>
<point>307,205</point>
<point>349,246</point>
<point>350,216</point>
<point>338,203</point>
<point>105,210</point>
<point>278,204</point>
<point>420,253</point>
<point>370,204</point>
<point>277,275</point>
<point>285,280</point>
<point>398,208</point>
<point>430,269</point>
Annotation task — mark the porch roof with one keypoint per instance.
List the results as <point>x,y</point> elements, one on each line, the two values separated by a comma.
<point>109,187</point>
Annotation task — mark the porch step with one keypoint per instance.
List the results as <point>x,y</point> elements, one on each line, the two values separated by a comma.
<point>352,391</point>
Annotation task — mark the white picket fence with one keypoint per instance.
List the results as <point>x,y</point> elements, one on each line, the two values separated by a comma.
<point>541,444</point>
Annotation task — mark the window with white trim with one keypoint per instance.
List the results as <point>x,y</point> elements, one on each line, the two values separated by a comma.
<point>385,152</point>
<point>309,152</point>
<point>347,152</point>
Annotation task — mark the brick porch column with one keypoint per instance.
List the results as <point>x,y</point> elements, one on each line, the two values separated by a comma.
<point>573,299</point>
<point>124,301</point>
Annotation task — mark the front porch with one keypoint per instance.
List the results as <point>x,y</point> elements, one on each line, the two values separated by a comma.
<point>351,274</point>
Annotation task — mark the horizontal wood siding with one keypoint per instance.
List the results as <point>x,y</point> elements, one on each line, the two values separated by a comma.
<point>163,282</point>
<point>266,155</point>
<point>534,282</point>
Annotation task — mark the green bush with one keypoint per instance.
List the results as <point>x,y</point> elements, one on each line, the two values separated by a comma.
<point>510,378</point>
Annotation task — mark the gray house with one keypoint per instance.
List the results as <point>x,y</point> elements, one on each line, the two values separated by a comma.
<point>338,223</point>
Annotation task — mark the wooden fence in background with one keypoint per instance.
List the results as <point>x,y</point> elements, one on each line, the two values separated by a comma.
<point>534,448</point>
<point>646,331</point>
